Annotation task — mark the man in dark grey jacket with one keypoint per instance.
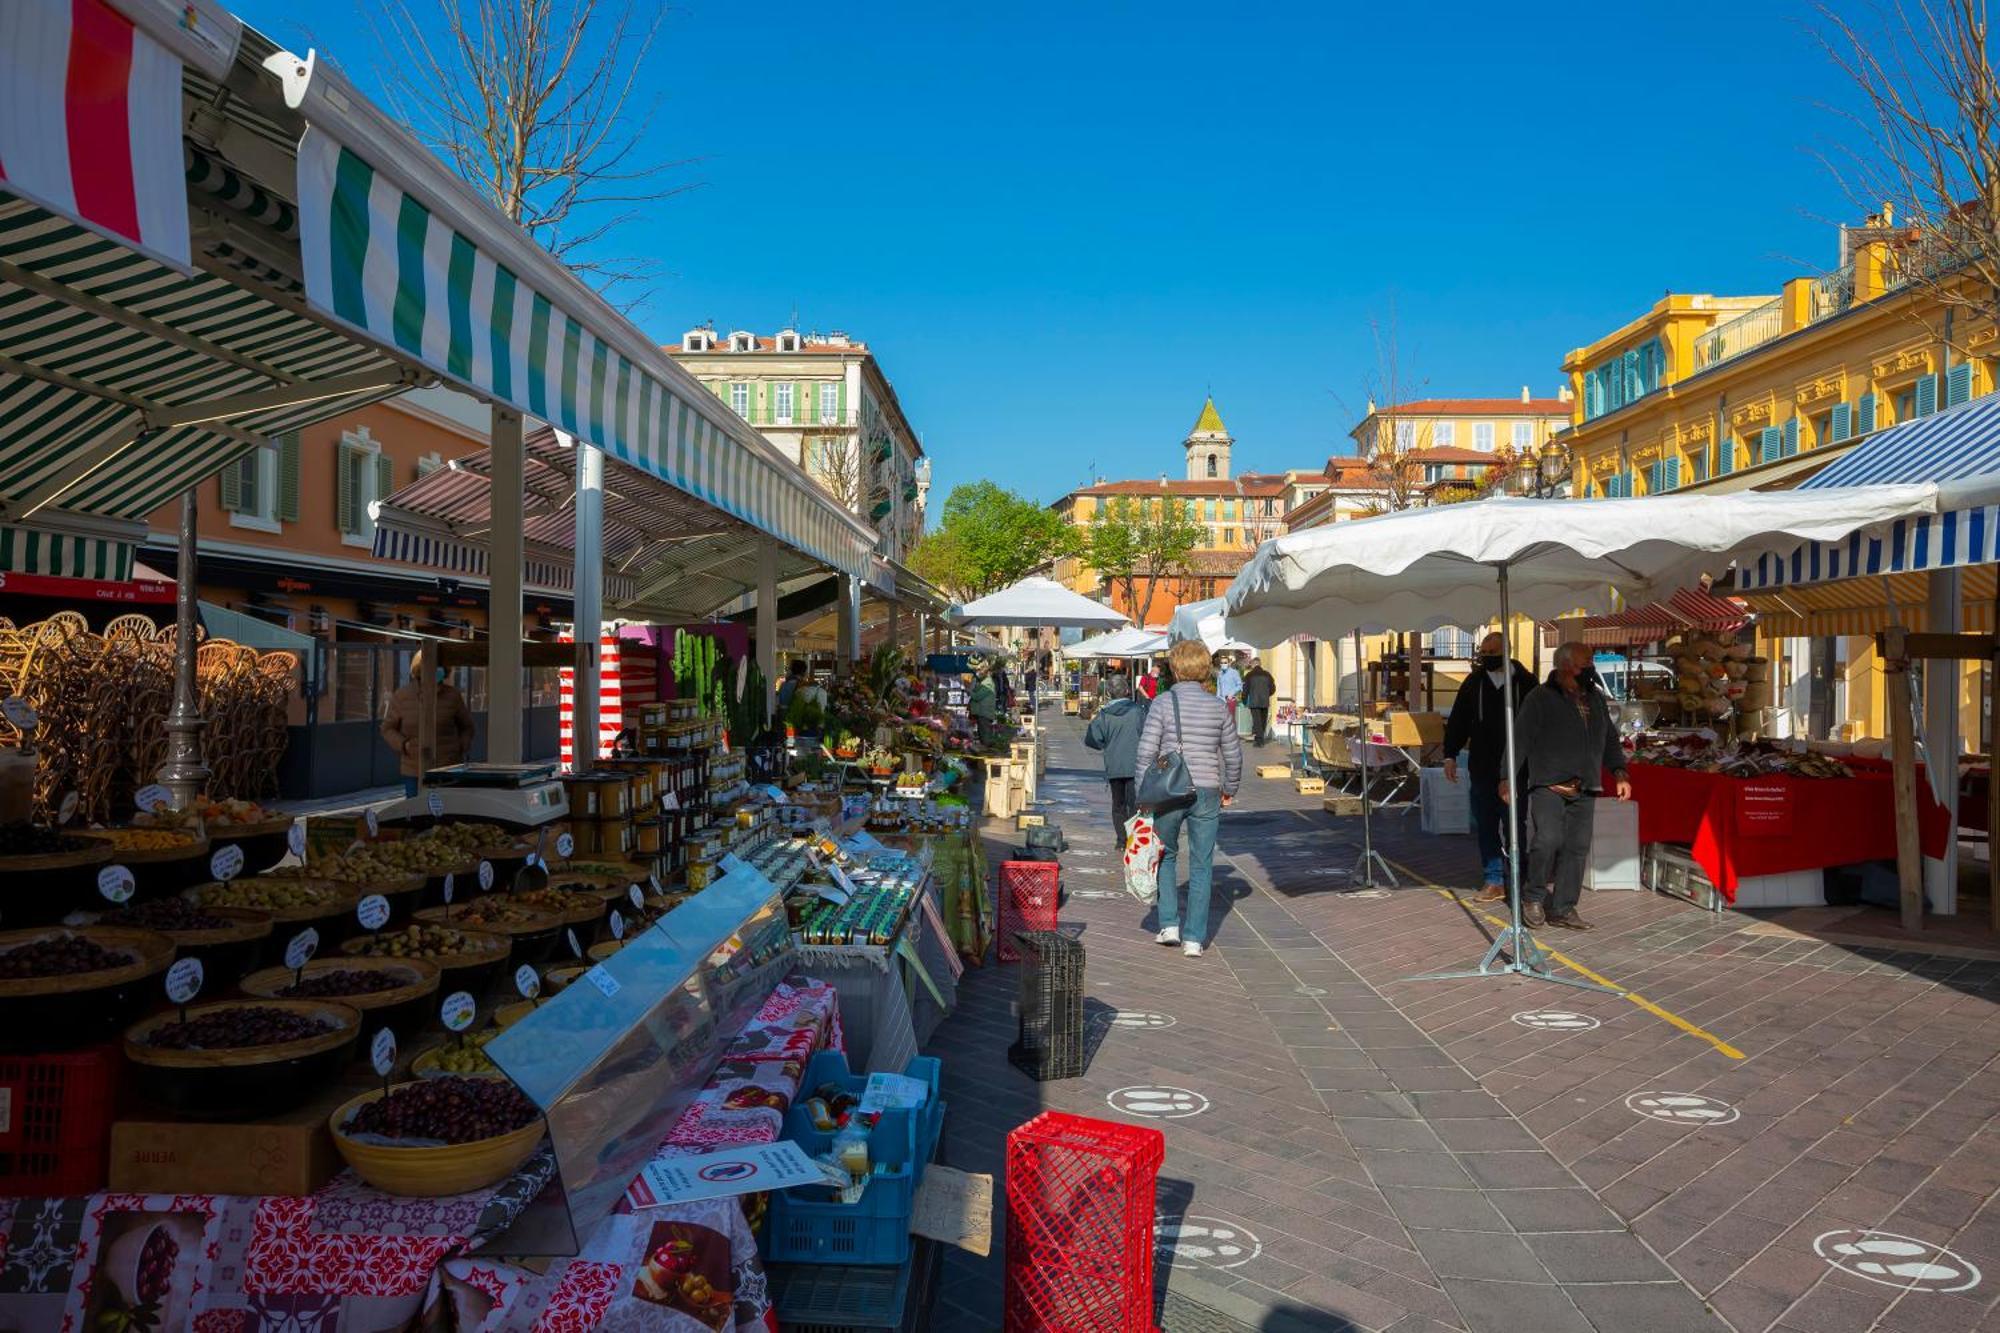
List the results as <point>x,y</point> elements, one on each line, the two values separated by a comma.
<point>1115,731</point>
<point>1563,741</point>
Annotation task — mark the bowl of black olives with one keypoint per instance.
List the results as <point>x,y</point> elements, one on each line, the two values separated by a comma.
<point>63,987</point>
<point>438,1136</point>
<point>237,1059</point>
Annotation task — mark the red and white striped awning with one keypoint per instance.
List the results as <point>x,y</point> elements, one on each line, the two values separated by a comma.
<point>1688,609</point>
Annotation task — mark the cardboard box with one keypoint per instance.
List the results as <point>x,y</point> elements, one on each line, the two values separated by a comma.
<point>1415,728</point>
<point>293,1154</point>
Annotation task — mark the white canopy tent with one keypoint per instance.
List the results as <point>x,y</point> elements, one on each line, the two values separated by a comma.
<point>1039,601</point>
<point>1131,641</point>
<point>1204,621</point>
<point>1422,568</point>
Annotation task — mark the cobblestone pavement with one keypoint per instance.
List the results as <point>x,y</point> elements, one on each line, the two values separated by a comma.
<point>1769,1134</point>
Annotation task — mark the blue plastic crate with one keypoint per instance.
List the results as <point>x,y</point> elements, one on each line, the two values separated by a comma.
<point>810,1224</point>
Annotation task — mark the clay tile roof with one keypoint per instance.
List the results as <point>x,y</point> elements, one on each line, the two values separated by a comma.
<point>1478,407</point>
<point>1448,453</point>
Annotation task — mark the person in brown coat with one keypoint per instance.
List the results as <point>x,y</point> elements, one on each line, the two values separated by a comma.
<point>403,725</point>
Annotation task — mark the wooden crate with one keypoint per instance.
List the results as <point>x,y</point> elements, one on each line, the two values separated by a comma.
<point>1030,821</point>
<point>1345,806</point>
<point>1309,786</point>
<point>1274,770</point>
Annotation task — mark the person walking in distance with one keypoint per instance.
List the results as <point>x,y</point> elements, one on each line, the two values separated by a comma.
<point>1563,741</point>
<point>1229,687</point>
<point>1190,720</point>
<point>1258,690</point>
<point>1478,724</point>
<point>1149,683</point>
<point>1115,732</point>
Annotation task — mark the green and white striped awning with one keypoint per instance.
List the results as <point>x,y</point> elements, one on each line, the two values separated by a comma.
<point>519,327</point>
<point>65,555</point>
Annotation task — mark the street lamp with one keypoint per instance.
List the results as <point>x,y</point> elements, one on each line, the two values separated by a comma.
<point>1552,469</point>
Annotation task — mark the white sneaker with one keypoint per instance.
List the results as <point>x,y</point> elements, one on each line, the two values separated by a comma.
<point>1170,936</point>
<point>1191,949</point>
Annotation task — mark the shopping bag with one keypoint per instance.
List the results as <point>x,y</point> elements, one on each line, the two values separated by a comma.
<point>1142,859</point>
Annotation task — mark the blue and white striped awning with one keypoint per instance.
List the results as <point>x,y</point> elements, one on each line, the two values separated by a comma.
<point>1959,451</point>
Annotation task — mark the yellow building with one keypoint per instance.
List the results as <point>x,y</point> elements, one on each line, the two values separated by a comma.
<point>1758,392</point>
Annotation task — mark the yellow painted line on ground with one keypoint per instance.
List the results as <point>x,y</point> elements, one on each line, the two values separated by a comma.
<point>1665,1015</point>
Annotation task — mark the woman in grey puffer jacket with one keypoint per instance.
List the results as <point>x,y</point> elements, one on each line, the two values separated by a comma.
<point>1208,744</point>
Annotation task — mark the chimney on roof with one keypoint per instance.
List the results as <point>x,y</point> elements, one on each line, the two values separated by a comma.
<point>1525,397</point>
<point>1563,394</point>
<point>1371,405</point>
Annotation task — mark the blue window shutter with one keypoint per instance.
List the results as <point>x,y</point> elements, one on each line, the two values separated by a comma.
<point>1769,442</point>
<point>1673,474</point>
<point>1865,414</point>
<point>1927,387</point>
<point>1842,423</point>
<point>1789,443</point>
<point>1957,385</point>
<point>1631,375</point>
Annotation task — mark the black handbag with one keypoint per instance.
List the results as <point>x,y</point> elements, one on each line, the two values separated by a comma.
<point>1166,785</point>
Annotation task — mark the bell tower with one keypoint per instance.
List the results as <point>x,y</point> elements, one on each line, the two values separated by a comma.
<point>1207,446</point>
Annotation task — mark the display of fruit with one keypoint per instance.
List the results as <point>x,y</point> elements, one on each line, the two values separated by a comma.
<point>466,838</point>
<point>273,893</point>
<point>446,1110</point>
<point>603,869</point>
<point>333,985</point>
<point>233,813</point>
<point>148,839</point>
<point>424,940</point>
<point>557,902</point>
<point>59,956</point>
<point>391,860</point>
<point>236,1027</point>
<point>502,913</point>
<point>461,1057</point>
<point>34,840</point>
<point>170,915</point>
<point>156,1266</point>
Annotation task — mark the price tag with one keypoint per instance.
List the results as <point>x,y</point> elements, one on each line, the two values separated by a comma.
<point>833,893</point>
<point>295,839</point>
<point>638,897</point>
<point>670,802</point>
<point>435,803</point>
<point>153,797</point>
<point>840,878</point>
<point>527,981</point>
<point>575,945</point>
<point>617,925</point>
<point>372,912</point>
<point>382,1052</point>
<point>654,880</point>
<point>565,844</point>
<point>603,980</point>
<point>458,1010</point>
<point>19,712</point>
<point>227,863</point>
<point>302,948</point>
<point>184,980</point>
<point>67,810</point>
<point>485,875</point>
<point>115,883</point>
<point>368,822</point>
<point>450,885</point>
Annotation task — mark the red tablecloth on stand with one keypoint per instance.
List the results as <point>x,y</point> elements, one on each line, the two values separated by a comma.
<point>1745,827</point>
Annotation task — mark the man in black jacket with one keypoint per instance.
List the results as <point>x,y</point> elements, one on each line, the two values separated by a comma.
<point>1478,722</point>
<point>1563,742</point>
<point>1258,689</point>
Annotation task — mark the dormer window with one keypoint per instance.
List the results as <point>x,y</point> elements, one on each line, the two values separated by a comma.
<point>788,341</point>
<point>742,342</point>
<point>698,340</point>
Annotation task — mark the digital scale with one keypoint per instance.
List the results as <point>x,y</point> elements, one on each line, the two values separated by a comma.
<point>521,796</point>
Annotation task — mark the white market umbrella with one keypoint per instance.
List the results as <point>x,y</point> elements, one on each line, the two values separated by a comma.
<point>1039,601</point>
<point>1205,620</point>
<point>1128,642</point>
<point>1421,568</point>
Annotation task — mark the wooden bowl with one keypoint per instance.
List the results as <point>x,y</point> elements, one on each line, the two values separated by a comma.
<point>558,975</point>
<point>263,842</point>
<point>571,908</point>
<point>47,886</point>
<point>226,952</point>
<point>241,1083</point>
<point>329,910</point>
<point>433,1172</point>
<point>78,1009</point>
<point>404,892</point>
<point>533,941</point>
<point>158,872</point>
<point>597,953</point>
<point>405,1011</point>
<point>472,971</point>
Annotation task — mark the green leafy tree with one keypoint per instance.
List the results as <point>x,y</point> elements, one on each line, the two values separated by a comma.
<point>1133,544</point>
<point>987,538</point>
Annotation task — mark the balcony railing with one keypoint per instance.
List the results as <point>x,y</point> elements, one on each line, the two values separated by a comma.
<point>763,415</point>
<point>1752,328</point>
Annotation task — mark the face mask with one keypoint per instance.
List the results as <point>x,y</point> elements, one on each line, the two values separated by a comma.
<point>1587,676</point>
<point>1490,662</point>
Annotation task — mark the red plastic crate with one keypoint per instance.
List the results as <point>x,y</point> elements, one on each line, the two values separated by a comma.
<point>1028,899</point>
<point>55,1121</point>
<point>1080,1225</point>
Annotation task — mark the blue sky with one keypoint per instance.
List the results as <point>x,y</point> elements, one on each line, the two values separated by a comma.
<point>1058,226</point>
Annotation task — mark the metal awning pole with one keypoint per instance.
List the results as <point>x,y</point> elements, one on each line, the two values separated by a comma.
<point>503,605</point>
<point>767,620</point>
<point>184,774</point>
<point>589,600</point>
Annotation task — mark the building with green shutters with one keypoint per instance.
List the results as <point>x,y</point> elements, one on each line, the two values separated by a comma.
<point>823,400</point>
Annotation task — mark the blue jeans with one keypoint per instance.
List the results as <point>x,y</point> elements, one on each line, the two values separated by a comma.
<point>1200,820</point>
<point>1489,826</point>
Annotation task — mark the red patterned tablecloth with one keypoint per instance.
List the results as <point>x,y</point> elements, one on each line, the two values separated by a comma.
<point>349,1257</point>
<point>1745,827</point>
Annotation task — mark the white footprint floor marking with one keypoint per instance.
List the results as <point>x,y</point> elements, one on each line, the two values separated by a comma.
<point>1897,1261</point>
<point>1561,1020</point>
<point>1158,1103</point>
<point>1682,1108</point>
<point>1200,1241</point>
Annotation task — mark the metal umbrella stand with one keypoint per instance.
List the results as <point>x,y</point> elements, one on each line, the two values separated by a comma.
<point>1371,860</point>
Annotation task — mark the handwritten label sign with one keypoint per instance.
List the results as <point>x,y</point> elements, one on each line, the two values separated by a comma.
<point>450,886</point>
<point>372,912</point>
<point>153,797</point>
<point>368,822</point>
<point>458,1010</point>
<point>654,880</point>
<point>1764,809</point>
<point>617,925</point>
<point>295,839</point>
<point>485,875</point>
<point>67,810</point>
<point>575,945</point>
<point>184,980</point>
<point>670,802</point>
<point>227,863</point>
<point>19,712</point>
<point>565,844</point>
<point>382,1052</point>
<point>115,883</point>
<point>603,980</point>
<point>638,897</point>
<point>435,804</point>
<point>527,981</point>
<point>302,948</point>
